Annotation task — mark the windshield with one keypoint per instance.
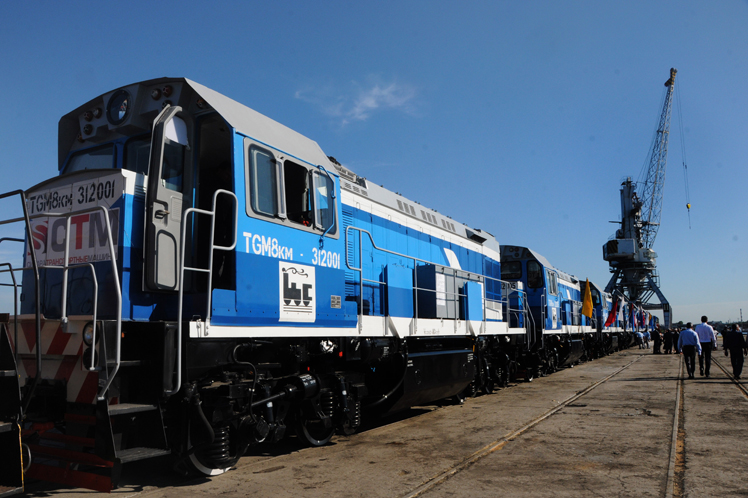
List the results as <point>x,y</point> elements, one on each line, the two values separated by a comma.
<point>95,158</point>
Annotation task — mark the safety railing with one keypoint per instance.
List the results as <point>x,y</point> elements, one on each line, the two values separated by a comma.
<point>65,267</point>
<point>182,268</point>
<point>444,294</point>
<point>14,284</point>
<point>26,219</point>
<point>29,392</point>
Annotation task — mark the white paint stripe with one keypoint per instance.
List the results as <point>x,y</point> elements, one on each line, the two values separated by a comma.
<point>368,206</point>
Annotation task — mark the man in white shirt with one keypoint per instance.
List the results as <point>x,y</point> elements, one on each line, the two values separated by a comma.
<point>708,340</point>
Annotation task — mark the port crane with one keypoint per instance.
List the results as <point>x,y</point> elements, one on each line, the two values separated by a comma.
<point>630,255</point>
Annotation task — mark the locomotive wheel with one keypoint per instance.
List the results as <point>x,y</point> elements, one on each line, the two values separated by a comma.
<point>313,431</point>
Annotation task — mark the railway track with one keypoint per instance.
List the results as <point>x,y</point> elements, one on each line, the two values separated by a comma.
<point>729,375</point>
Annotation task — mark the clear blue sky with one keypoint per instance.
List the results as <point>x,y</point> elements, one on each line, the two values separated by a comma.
<point>521,118</point>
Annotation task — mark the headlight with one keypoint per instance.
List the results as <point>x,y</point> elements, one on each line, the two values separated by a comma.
<point>88,333</point>
<point>118,108</point>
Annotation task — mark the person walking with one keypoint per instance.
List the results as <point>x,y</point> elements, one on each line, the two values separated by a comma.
<point>708,340</point>
<point>640,339</point>
<point>657,337</point>
<point>676,336</point>
<point>688,344</point>
<point>668,339</point>
<point>735,347</point>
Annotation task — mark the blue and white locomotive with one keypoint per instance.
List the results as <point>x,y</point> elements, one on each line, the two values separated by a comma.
<point>560,333</point>
<point>200,278</point>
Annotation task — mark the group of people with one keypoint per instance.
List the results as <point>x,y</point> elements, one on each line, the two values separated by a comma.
<point>668,340</point>
<point>703,339</point>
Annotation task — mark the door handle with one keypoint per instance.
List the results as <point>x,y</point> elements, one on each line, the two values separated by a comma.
<point>161,213</point>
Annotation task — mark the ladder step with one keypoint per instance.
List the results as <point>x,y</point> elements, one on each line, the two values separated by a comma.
<point>6,426</point>
<point>8,373</point>
<point>128,408</point>
<point>141,453</point>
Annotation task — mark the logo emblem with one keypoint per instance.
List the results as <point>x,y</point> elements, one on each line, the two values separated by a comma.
<point>297,292</point>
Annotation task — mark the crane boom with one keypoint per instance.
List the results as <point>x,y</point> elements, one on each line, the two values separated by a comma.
<point>652,188</point>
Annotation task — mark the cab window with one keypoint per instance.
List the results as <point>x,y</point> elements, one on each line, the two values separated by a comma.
<point>290,192</point>
<point>534,275</point>
<point>297,194</point>
<point>324,205</point>
<point>263,182</point>
<point>552,283</point>
<point>137,154</point>
<point>511,270</point>
<point>94,158</point>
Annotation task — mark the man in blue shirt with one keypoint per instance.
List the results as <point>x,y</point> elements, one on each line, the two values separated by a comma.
<point>688,344</point>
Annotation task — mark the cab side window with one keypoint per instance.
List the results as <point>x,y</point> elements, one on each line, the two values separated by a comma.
<point>511,270</point>
<point>296,190</point>
<point>291,193</point>
<point>263,182</point>
<point>552,283</point>
<point>323,202</point>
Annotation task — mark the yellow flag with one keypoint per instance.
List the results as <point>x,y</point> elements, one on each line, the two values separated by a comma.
<point>587,303</point>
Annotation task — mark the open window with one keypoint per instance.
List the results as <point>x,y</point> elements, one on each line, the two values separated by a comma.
<point>289,192</point>
<point>297,194</point>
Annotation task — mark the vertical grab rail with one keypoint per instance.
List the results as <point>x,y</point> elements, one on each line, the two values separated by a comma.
<point>15,296</point>
<point>37,296</point>
<point>209,271</point>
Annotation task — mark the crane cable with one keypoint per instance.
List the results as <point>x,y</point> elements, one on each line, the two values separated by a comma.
<point>683,155</point>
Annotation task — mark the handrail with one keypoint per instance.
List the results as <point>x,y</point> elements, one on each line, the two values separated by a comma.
<point>334,206</point>
<point>15,294</point>
<point>35,266</point>
<point>481,278</point>
<point>209,271</point>
<point>37,297</point>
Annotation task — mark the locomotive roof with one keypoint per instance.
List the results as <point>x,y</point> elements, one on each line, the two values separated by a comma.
<point>510,252</point>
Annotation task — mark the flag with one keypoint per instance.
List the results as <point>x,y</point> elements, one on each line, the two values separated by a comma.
<point>633,318</point>
<point>612,314</point>
<point>587,303</point>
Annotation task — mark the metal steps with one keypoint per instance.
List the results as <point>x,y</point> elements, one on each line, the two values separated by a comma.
<point>91,454</point>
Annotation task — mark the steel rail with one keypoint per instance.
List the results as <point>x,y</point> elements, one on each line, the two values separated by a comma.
<point>737,383</point>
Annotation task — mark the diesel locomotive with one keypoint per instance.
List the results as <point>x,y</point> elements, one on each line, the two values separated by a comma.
<point>199,279</point>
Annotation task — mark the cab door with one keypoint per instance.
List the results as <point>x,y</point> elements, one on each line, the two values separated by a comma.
<point>164,201</point>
